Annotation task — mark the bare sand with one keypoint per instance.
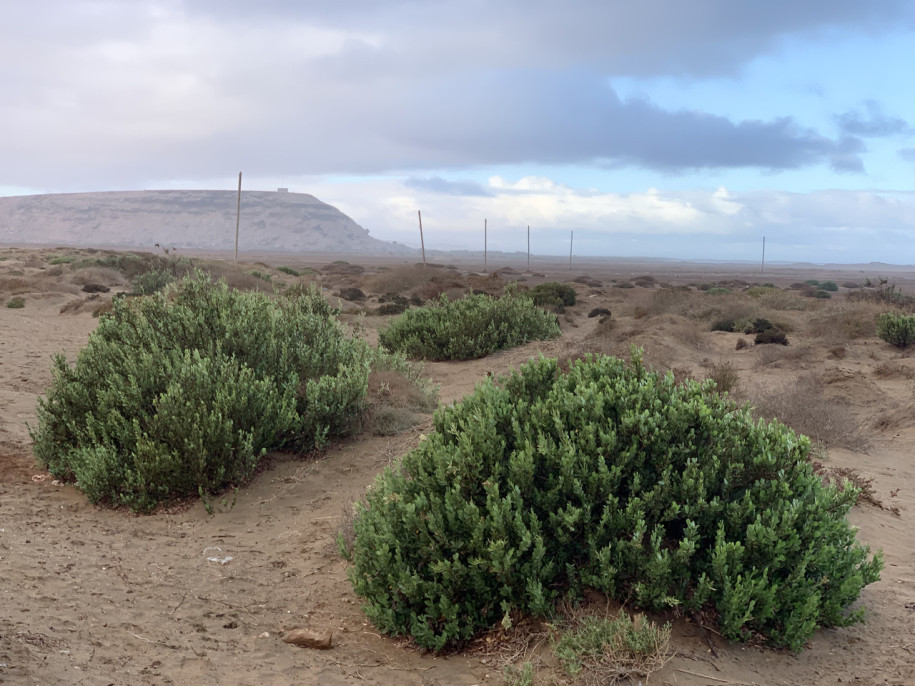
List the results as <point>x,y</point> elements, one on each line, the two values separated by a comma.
<point>91,595</point>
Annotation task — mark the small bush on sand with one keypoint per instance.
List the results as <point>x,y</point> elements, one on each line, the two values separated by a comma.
<point>896,329</point>
<point>612,477</point>
<point>830,286</point>
<point>771,336</point>
<point>289,270</point>
<point>555,294</point>
<point>474,326</point>
<point>152,281</point>
<point>352,294</point>
<point>16,302</point>
<point>181,393</point>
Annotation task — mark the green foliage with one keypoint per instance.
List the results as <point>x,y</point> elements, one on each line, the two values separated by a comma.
<point>182,393</point>
<point>62,259</point>
<point>896,329</point>
<point>555,294</point>
<point>812,282</point>
<point>757,291</point>
<point>263,276</point>
<point>289,270</point>
<point>152,281</point>
<point>474,326</point>
<point>724,325</point>
<point>831,286</point>
<point>717,290</point>
<point>820,293</point>
<point>17,302</point>
<point>630,647</point>
<point>612,477</point>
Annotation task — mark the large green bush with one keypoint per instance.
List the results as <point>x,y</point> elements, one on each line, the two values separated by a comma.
<point>896,329</point>
<point>183,391</point>
<point>559,295</point>
<point>474,326</point>
<point>612,477</point>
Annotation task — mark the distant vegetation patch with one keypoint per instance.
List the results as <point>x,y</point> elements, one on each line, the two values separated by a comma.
<point>557,295</point>
<point>16,302</point>
<point>473,326</point>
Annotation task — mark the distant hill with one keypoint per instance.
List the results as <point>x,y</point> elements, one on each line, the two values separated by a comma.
<point>279,221</point>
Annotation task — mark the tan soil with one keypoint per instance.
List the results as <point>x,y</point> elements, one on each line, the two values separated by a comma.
<point>90,595</point>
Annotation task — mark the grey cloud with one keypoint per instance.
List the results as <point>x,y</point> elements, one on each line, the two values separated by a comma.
<point>908,154</point>
<point>436,184</point>
<point>872,122</point>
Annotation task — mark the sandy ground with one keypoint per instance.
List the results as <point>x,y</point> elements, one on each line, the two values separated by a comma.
<point>90,595</point>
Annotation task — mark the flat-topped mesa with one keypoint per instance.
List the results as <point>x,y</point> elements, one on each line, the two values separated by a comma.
<point>195,219</point>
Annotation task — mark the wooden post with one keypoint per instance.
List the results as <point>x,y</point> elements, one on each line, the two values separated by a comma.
<point>763,268</point>
<point>422,243</point>
<point>528,247</point>
<point>237,217</point>
<point>571,237</point>
<point>485,244</point>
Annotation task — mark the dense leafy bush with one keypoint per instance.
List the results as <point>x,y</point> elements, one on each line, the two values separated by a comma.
<point>896,329</point>
<point>182,392</point>
<point>822,294</point>
<point>474,326</point>
<point>828,286</point>
<point>771,336</point>
<point>153,281</point>
<point>555,294</point>
<point>16,302</point>
<point>613,477</point>
<point>289,270</point>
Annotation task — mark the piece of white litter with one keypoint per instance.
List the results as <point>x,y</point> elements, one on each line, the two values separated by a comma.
<point>214,558</point>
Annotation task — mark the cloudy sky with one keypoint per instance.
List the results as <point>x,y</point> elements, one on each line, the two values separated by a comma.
<point>660,128</point>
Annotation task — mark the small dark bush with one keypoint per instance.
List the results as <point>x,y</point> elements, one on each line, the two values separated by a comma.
<point>289,270</point>
<point>723,325</point>
<point>599,312</point>
<point>758,325</point>
<point>624,284</point>
<point>182,394</point>
<point>717,290</point>
<point>474,326</point>
<point>610,477</point>
<point>392,308</point>
<point>771,336</point>
<point>896,329</point>
<point>95,288</point>
<point>62,259</point>
<point>352,294</point>
<point>554,293</point>
<point>823,295</point>
<point>16,302</point>
<point>741,344</point>
<point>812,282</point>
<point>828,286</point>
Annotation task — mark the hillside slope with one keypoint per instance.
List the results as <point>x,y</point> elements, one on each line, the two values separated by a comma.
<point>188,219</point>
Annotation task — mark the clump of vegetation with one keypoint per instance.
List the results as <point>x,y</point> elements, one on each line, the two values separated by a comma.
<point>718,290</point>
<point>289,270</point>
<point>62,259</point>
<point>725,376</point>
<point>821,294</point>
<point>263,276</point>
<point>153,281</point>
<point>16,302</point>
<point>883,291</point>
<point>352,294</point>
<point>473,326</point>
<point>771,336</point>
<point>896,328</point>
<point>612,649</point>
<point>830,286</point>
<point>599,312</point>
<point>613,477</point>
<point>554,294</point>
<point>182,393</point>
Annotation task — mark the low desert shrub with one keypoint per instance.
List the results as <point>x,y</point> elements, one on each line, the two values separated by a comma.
<point>182,392</point>
<point>822,294</point>
<point>152,281</point>
<point>555,294</point>
<point>352,294</point>
<point>771,336</point>
<point>830,286</point>
<point>62,259</point>
<point>16,302</point>
<point>896,329</point>
<point>717,290</point>
<point>473,326</point>
<point>289,270</point>
<point>612,477</point>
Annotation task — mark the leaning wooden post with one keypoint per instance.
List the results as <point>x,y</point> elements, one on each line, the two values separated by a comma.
<point>422,243</point>
<point>237,217</point>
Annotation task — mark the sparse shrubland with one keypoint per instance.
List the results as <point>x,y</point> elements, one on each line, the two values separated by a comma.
<point>473,326</point>
<point>612,477</point>
<point>181,393</point>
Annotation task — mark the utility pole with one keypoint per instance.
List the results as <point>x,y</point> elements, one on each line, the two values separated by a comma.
<point>485,245</point>
<point>528,247</point>
<point>763,268</point>
<point>237,217</point>
<point>571,238</point>
<point>422,243</point>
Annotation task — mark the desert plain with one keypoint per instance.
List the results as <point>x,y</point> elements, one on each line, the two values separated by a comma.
<point>91,595</point>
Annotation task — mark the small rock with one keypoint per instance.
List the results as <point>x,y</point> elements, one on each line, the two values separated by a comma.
<point>266,634</point>
<point>320,640</point>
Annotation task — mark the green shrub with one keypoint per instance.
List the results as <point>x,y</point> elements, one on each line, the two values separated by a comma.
<point>473,326</point>
<point>771,336</point>
<point>352,294</point>
<point>724,325</point>
<point>181,394</point>
<point>263,276</point>
<point>820,293</point>
<point>611,477</point>
<point>896,329</point>
<point>16,302</point>
<point>717,290</point>
<point>828,286</point>
<point>812,282</point>
<point>62,259</point>
<point>555,294</point>
<point>289,270</point>
<point>152,281</point>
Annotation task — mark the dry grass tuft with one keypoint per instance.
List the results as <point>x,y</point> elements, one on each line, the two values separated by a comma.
<point>846,321</point>
<point>803,406</point>
<point>841,477</point>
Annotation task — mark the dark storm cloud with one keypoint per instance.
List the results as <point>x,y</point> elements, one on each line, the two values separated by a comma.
<point>872,122</point>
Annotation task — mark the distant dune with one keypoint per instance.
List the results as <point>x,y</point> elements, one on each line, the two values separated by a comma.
<point>205,220</point>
